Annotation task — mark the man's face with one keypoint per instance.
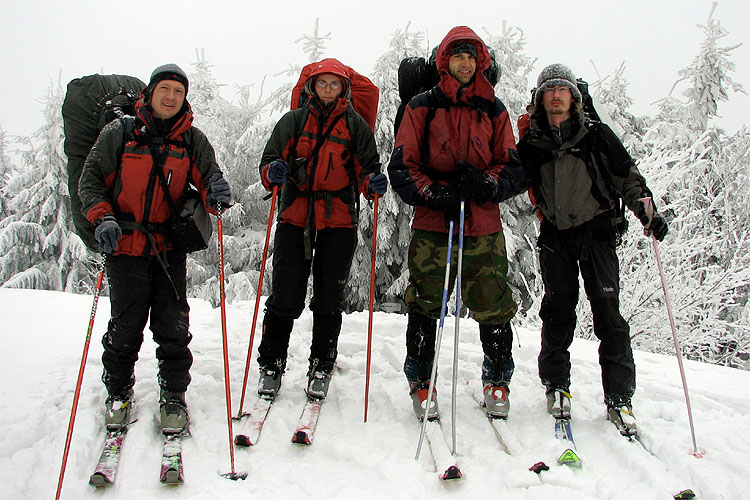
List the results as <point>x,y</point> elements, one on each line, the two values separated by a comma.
<point>462,67</point>
<point>167,99</point>
<point>557,100</point>
<point>328,87</point>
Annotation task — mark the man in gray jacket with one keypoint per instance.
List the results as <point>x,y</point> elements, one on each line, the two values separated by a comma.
<point>579,172</point>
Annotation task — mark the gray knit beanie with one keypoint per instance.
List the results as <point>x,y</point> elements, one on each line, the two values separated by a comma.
<point>556,75</point>
<point>167,72</point>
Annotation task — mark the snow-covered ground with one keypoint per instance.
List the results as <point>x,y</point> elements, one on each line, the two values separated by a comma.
<point>42,342</point>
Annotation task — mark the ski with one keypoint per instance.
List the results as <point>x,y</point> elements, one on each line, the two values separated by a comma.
<point>307,422</point>
<point>499,427</point>
<point>171,460</point>
<point>106,469</point>
<point>564,432</point>
<point>445,461</point>
<point>254,425</point>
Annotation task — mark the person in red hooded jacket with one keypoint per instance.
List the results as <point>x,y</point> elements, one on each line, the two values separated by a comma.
<point>122,189</point>
<point>323,155</point>
<point>456,143</point>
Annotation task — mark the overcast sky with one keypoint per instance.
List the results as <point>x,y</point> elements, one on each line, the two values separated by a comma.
<point>43,41</point>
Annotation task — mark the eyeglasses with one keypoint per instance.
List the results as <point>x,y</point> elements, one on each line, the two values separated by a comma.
<point>335,85</point>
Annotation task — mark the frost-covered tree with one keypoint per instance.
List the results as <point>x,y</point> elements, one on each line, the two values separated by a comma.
<point>6,169</point>
<point>38,247</point>
<point>394,216</point>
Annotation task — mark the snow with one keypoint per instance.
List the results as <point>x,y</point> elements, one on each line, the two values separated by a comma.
<point>44,335</point>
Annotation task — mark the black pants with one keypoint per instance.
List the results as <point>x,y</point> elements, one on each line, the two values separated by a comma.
<point>590,248</point>
<point>140,288</point>
<point>333,251</point>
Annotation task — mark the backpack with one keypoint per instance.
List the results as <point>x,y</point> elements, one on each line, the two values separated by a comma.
<point>365,94</point>
<point>417,75</point>
<point>90,103</point>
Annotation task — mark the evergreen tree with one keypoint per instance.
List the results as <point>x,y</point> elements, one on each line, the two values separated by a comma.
<point>6,169</point>
<point>38,248</point>
<point>394,216</point>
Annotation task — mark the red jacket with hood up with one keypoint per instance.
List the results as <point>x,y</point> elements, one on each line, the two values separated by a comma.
<point>470,124</point>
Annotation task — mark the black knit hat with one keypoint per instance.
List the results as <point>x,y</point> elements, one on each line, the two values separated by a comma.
<point>556,75</point>
<point>464,46</point>
<point>167,72</point>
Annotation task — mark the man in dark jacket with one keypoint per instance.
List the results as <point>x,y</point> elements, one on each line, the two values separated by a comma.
<point>323,155</point>
<point>456,143</point>
<point>579,171</point>
<point>123,188</point>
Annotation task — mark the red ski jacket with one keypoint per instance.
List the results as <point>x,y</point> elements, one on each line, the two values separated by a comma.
<point>468,124</point>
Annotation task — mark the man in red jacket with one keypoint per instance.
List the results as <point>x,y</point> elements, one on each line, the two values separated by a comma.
<point>123,188</point>
<point>323,155</point>
<point>456,143</point>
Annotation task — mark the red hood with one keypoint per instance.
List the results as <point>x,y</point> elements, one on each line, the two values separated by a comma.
<point>480,86</point>
<point>332,66</point>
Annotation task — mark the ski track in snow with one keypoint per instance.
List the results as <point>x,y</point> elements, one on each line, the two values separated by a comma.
<point>43,342</point>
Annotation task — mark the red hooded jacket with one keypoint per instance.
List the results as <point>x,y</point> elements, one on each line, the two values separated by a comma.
<point>470,124</point>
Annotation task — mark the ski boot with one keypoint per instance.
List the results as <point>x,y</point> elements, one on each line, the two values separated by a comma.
<point>418,393</point>
<point>496,402</point>
<point>620,413</point>
<point>558,401</point>
<point>269,383</point>
<point>118,408</point>
<point>173,412</point>
<point>317,384</point>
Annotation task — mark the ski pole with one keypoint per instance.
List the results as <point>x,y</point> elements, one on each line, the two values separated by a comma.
<point>455,331</point>
<point>438,338</point>
<point>372,299</point>
<point>222,297</point>
<point>240,413</point>
<point>77,393</point>
<point>649,206</point>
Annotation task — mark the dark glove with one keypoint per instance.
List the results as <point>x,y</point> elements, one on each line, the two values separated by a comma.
<point>475,185</point>
<point>378,183</point>
<point>442,198</point>
<point>277,171</point>
<point>218,190</point>
<point>658,227</point>
<point>107,233</point>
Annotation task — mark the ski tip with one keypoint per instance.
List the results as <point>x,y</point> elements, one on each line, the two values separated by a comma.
<point>242,440</point>
<point>685,494</point>
<point>99,480</point>
<point>539,467</point>
<point>301,437</point>
<point>235,476</point>
<point>569,457</point>
<point>452,472</point>
<point>172,476</point>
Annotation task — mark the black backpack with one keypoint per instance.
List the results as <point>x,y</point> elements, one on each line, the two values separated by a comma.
<point>417,75</point>
<point>90,103</point>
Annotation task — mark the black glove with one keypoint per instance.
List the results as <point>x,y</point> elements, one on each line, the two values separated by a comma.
<point>218,190</point>
<point>476,185</point>
<point>378,183</point>
<point>277,171</point>
<point>658,227</point>
<point>107,233</point>
<point>442,198</point>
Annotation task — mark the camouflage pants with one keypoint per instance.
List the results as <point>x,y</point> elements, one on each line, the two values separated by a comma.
<point>484,289</point>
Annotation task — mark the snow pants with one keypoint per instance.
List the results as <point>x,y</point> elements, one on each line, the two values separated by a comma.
<point>589,248</point>
<point>140,291</point>
<point>333,251</point>
<point>484,291</point>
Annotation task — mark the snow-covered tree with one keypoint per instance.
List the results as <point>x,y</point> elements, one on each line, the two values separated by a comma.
<point>38,247</point>
<point>6,169</point>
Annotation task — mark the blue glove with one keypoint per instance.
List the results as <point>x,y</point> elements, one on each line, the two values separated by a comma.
<point>218,190</point>
<point>277,171</point>
<point>107,233</point>
<point>378,183</point>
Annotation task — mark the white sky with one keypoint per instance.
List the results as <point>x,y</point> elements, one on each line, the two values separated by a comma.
<point>43,40</point>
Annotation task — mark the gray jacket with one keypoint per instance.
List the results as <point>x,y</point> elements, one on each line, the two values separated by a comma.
<point>579,171</point>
